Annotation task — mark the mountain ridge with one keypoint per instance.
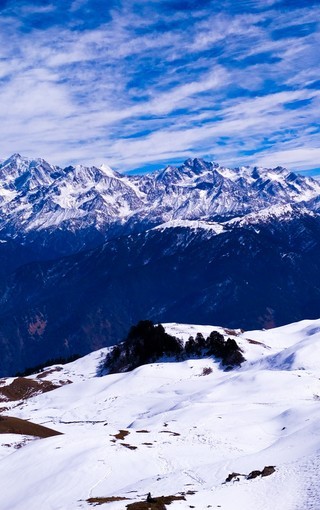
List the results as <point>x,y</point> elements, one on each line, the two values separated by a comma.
<point>36,196</point>
<point>83,257</point>
<point>245,275</point>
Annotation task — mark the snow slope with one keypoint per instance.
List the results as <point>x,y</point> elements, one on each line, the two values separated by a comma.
<point>184,432</point>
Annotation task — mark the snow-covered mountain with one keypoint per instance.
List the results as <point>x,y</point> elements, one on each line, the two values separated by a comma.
<point>86,252</point>
<point>256,271</point>
<point>175,430</point>
<point>197,243</point>
<point>38,199</point>
<point>64,209</point>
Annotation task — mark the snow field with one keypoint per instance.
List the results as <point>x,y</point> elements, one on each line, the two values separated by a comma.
<point>183,431</point>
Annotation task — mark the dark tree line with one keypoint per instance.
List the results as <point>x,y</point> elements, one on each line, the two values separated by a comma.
<point>147,343</point>
<point>62,360</point>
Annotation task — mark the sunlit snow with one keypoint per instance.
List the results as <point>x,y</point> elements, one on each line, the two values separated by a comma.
<point>186,431</point>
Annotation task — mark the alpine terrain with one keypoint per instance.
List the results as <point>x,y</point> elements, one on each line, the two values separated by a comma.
<point>86,252</point>
<point>175,434</point>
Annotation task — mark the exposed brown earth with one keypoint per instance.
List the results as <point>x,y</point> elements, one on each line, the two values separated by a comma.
<point>11,425</point>
<point>121,434</point>
<point>232,332</point>
<point>49,371</point>
<point>101,501</point>
<point>255,342</point>
<point>169,432</point>
<point>22,388</point>
<point>129,446</point>
<point>158,503</point>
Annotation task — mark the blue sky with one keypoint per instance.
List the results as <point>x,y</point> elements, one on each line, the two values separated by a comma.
<point>139,84</point>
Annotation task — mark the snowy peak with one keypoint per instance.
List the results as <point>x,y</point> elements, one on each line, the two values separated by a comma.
<point>13,167</point>
<point>198,165</point>
<point>15,160</point>
<point>109,172</point>
<point>36,170</point>
<point>48,197</point>
<point>191,170</point>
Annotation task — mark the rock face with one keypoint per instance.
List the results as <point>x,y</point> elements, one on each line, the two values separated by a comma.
<point>87,252</point>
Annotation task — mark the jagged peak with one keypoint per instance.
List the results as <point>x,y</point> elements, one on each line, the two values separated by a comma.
<point>108,171</point>
<point>194,161</point>
<point>94,173</point>
<point>16,155</point>
<point>198,165</point>
<point>190,168</point>
<point>15,158</point>
<point>39,161</point>
<point>168,173</point>
<point>24,162</point>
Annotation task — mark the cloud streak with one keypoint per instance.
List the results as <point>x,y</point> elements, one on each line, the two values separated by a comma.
<point>138,83</point>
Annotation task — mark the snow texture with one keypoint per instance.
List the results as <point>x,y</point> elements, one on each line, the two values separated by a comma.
<point>186,431</point>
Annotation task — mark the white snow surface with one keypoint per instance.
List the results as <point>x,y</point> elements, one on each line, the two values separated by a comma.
<point>212,226</point>
<point>189,430</point>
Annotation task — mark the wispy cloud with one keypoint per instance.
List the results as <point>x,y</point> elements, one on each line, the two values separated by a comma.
<point>295,157</point>
<point>137,82</point>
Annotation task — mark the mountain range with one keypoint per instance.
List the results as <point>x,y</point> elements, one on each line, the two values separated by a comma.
<point>63,210</point>
<point>86,252</point>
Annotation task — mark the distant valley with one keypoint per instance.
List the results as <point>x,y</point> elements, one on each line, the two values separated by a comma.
<point>87,252</point>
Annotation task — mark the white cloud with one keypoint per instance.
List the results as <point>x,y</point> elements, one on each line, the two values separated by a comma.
<point>125,93</point>
<point>301,158</point>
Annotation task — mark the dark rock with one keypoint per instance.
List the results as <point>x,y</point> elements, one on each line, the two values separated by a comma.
<point>233,476</point>
<point>254,474</point>
<point>268,470</point>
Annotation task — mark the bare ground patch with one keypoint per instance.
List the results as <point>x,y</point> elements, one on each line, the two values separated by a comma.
<point>121,434</point>
<point>49,371</point>
<point>129,446</point>
<point>169,432</point>
<point>255,342</point>
<point>23,388</point>
<point>232,332</point>
<point>11,425</point>
<point>157,503</point>
<point>101,501</point>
